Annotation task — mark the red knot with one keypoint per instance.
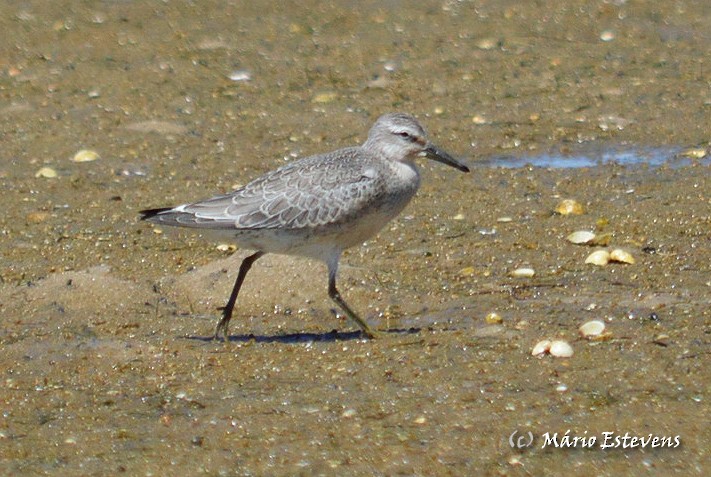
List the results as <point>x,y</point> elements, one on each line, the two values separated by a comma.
<point>317,206</point>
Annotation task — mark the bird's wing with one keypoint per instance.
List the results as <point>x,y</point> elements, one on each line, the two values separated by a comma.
<point>311,192</point>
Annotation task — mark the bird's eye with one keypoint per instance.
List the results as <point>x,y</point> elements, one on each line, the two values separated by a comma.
<point>406,135</point>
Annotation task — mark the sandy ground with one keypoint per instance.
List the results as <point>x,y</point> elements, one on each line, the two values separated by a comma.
<point>107,365</point>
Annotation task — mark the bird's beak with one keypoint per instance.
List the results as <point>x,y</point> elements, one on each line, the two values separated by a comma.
<point>437,154</point>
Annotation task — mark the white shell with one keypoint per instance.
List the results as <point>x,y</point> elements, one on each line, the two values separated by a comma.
<point>226,247</point>
<point>523,273</point>
<point>581,237</point>
<point>598,257</point>
<point>619,255</point>
<point>46,172</point>
<point>85,155</point>
<point>591,329</point>
<point>541,347</point>
<point>561,349</point>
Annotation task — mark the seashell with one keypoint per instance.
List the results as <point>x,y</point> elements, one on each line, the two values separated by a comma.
<point>695,153</point>
<point>542,347</point>
<point>591,329</point>
<point>622,256</point>
<point>46,172</point>
<point>226,247</point>
<point>324,97</point>
<point>607,35</point>
<point>494,318</point>
<point>523,273</point>
<point>240,75</point>
<point>487,43</point>
<point>569,207</point>
<point>581,237</point>
<point>479,119</point>
<point>598,257</point>
<point>560,349</point>
<point>85,155</point>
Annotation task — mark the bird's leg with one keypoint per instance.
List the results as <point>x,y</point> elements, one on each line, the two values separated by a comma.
<point>336,297</point>
<point>229,307</point>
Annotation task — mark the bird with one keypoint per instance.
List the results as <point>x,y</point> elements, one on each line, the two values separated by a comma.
<point>317,206</point>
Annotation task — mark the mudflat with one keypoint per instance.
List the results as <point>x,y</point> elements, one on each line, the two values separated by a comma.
<point>107,362</point>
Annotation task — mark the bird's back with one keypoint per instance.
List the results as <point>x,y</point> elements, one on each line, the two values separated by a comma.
<point>314,192</point>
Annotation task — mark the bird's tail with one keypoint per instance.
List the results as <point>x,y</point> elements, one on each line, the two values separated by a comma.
<point>148,214</point>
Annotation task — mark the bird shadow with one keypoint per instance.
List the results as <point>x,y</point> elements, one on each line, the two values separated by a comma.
<point>298,338</point>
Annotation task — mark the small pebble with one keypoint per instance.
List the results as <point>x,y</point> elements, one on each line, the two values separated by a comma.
<point>420,420</point>
<point>349,413</point>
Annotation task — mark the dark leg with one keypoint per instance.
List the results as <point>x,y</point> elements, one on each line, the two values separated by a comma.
<point>227,310</point>
<point>336,297</point>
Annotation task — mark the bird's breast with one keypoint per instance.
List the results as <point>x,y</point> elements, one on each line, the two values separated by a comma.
<point>402,183</point>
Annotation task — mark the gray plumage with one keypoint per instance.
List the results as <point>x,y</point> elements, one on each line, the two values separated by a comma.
<point>320,205</point>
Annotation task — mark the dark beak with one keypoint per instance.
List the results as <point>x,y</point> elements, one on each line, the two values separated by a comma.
<point>437,154</point>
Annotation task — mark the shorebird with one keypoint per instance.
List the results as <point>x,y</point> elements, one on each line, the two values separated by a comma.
<point>317,206</point>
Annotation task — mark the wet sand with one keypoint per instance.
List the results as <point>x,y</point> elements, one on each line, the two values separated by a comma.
<point>108,366</point>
